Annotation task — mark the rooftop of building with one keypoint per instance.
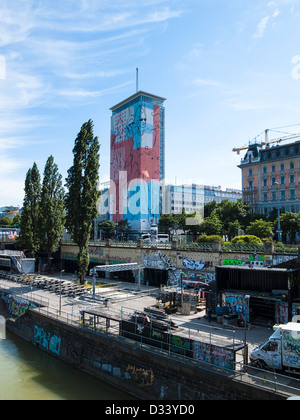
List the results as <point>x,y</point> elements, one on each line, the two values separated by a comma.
<point>135,96</point>
<point>260,153</point>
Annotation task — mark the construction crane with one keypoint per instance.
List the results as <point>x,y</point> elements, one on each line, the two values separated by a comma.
<point>268,142</point>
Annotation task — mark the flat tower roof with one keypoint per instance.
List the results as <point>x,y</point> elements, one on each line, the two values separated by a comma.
<point>136,95</point>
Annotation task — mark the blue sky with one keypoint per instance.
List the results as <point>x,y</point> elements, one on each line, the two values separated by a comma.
<point>228,68</point>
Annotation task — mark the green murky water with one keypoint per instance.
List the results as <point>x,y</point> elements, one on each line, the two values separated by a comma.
<point>27,373</point>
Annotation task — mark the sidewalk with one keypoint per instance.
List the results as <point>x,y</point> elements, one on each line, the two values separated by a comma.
<point>129,297</point>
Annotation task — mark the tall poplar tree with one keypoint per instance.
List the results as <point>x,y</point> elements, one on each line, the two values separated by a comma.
<point>82,195</point>
<point>52,208</point>
<point>29,222</point>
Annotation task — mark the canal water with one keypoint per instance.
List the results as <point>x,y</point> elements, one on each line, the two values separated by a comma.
<point>27,373</point>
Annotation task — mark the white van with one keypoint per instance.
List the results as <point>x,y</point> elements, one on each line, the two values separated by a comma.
<point>146,237</point>
<point>163,237</point>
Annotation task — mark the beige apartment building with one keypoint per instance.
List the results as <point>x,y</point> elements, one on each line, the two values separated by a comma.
<point>271,177</point>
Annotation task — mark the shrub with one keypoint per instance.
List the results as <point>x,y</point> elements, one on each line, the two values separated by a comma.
<point>246,239</point>
<point>210,238</point>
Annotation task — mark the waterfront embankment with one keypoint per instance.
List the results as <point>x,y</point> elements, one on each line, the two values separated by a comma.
<point>135,368</point>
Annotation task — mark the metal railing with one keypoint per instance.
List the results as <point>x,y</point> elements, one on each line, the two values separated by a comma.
<point>32,297</point>
<point>198,246</point>
<point>271,381</point>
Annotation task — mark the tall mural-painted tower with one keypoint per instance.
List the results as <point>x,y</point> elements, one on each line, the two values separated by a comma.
<point>137,159</point>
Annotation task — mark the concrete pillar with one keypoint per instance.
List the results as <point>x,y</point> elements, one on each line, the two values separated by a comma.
<point>217,246</point>
<point>269,248</point>
<point>174,245</point>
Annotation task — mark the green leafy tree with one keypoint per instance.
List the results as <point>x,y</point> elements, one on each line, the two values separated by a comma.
<point>166,223</point>
<point>290,225</point>
<point>16,220</point>
<point>193,222</point>
<point>29,222</point>
<point>261,228</point>
<point>5,221</point>
<point>52,210</point>
<point>228,211</point>
<point>180,221</point>
<point>82,196</point>
<point>108,227</point>
<point>210,207</point>
<point>211,225</point>
<point>233,229</point>
<point>123,227</point>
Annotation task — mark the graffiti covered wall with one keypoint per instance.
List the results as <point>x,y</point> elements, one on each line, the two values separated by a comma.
<point>46,341</point>
<point>16,306</point>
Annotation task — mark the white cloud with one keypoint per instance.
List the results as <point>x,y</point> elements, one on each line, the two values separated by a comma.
<point>80,93</point>
<point>261,27</point>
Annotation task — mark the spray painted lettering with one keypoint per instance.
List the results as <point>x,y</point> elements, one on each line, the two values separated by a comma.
<point>142,377</point>
<point>193,265</point>
<point>46,341</point>
<point>16,306</point>
<point>214,355</point>
<point>291,348</point>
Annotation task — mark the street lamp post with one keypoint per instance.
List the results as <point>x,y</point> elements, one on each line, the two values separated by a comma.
<point>62,271</point>
<point>279,231</point>
<point>247,299</point>
<point>94,283</point>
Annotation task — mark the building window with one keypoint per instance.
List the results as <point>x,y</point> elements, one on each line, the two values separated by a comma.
<point>282,195</point>
<point>292,194</point>
<point>265,170</point>
<point>250,184</point>
<point>274,196</point>
<point>292,166</point>
<point>250,172</point>
<point>292,179</point>
<point>282,180</point>
<point>265,182</point>
<point>265,196</point>
<point>273,181</point>
<point>273,168</point>
<point>282,167</point>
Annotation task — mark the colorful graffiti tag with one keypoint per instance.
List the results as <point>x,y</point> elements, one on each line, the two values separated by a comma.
<point>238,305</point>
<point>193,265</point>
<point>46,341</point>
<point>17,306</point>
<point>291,348</point>
<point>215,355</point>
<point>140,377</point>
<point>281,312</point>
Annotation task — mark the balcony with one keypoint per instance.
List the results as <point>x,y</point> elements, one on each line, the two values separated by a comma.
<point>249,190</point>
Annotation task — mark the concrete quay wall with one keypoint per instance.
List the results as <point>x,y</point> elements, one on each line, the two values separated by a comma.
<point>138,370</point>
<point>113,254</point>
